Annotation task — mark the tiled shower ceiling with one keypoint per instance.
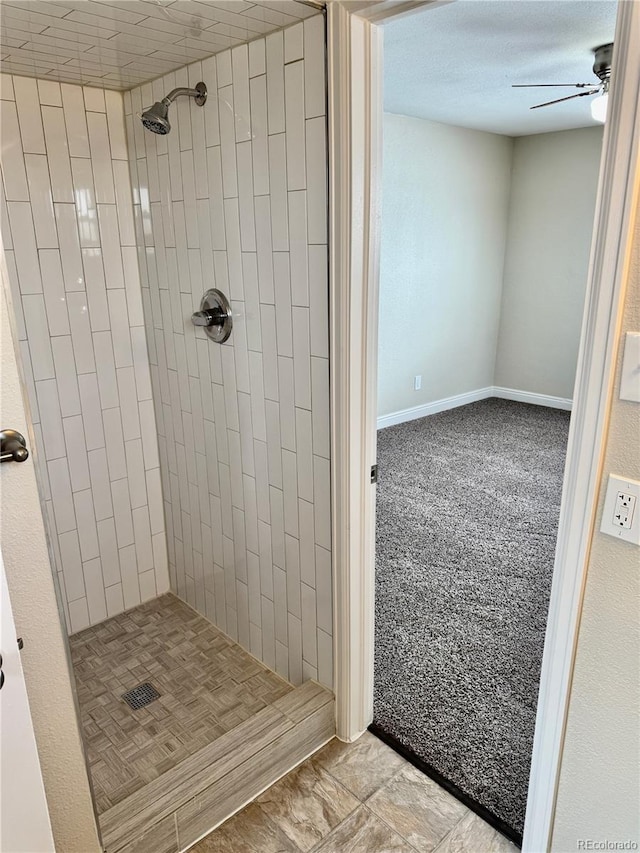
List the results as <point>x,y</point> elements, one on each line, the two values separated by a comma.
<point>118,44</point>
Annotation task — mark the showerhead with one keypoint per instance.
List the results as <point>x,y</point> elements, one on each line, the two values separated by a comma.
<point>156,118</point>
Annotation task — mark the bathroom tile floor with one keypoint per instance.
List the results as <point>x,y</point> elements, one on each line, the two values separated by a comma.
<point>355,798</point>
<point>207,685</point>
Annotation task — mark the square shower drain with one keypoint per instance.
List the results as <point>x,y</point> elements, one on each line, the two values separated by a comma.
<point>143,694</point>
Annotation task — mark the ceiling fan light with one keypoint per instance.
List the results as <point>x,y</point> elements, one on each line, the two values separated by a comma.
<point>599,108</point>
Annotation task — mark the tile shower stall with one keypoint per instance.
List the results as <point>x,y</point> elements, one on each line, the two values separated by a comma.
<point>170,466</point>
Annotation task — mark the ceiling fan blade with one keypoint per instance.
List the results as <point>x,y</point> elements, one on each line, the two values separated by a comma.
<point>548,85</point>
<point>568,98</point>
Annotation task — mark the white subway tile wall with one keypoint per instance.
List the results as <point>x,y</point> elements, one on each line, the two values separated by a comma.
<point>68,236</point>
<point>235,198</point>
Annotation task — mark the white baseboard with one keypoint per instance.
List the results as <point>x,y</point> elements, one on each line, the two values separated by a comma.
<point>433,408</point>
<point>472,397</point>
<point>530,397</point>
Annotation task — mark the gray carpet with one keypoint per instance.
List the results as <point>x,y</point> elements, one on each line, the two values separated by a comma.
<point>467,515</point>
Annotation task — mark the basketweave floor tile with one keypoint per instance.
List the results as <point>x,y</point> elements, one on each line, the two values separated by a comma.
<point>207,685</point>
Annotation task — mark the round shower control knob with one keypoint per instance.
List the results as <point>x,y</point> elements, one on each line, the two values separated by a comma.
<point>214,316</point>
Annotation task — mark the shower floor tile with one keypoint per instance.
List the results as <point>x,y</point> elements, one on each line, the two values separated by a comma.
<point>207,685</point>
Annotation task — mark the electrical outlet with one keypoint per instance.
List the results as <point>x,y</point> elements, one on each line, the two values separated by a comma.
<point>624,509</point>
<point>620,517</point>
<point>417,383</point>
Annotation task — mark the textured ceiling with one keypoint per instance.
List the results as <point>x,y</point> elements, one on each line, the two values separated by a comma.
<point>118,44</point>
<point>455,63</point>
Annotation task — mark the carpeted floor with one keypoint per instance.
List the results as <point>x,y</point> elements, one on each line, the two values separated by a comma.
<point>467,514</point>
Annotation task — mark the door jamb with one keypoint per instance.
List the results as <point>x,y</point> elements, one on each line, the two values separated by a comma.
<point>355,125</point>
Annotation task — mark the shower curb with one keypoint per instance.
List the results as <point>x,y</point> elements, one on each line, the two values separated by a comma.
<point>187,802</point>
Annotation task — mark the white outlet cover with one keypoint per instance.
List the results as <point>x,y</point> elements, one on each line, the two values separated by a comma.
<point>608,526</point>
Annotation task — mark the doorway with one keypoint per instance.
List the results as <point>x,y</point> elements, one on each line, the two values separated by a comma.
<point>355,135</point>
<point>487,218</point>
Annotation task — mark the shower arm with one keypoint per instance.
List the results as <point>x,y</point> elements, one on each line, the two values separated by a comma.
<point>176,93</point>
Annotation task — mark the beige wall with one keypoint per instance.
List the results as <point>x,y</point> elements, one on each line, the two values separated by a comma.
<point>553,195</point>
<point>484,258</point>
<point>444,220</point>
<point>44,657</point>
<point>600,773</point>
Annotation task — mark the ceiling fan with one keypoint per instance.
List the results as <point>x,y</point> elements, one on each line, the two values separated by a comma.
<point>602,70</point>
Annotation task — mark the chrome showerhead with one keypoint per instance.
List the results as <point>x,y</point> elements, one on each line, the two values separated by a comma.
<point>156,118</point>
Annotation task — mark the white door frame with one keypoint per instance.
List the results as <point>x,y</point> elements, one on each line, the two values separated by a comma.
<point>355,124</point>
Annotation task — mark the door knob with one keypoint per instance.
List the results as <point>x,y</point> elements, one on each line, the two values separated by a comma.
<point>13,447</point>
